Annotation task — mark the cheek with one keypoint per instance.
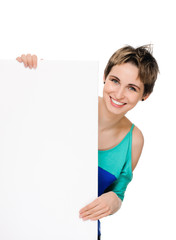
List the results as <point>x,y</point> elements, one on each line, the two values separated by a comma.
<point>107,88</point>
<point>106,92</point>
<point>132,98</point>
<point>135,100</point>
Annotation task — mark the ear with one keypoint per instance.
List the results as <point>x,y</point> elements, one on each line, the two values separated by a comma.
<point>145,97</point>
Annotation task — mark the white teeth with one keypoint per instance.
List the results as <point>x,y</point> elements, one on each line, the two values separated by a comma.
<point>118,103</point>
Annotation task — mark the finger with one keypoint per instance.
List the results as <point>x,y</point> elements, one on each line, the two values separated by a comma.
<point>19,59</point>
<point>96,214</point>
<point>89,206</point>
<point>24,60</point>
<point>105,211</point>
<point>29,60</point>
<point>34,61</point>
<point>91,211</point>
<point>100,216</point>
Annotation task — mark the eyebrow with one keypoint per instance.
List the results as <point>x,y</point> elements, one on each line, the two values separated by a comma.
<point>131,84</point>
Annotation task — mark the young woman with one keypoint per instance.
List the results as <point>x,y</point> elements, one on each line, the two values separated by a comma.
<point>129,77</point>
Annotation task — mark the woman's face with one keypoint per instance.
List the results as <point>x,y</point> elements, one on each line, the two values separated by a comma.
<point>123,88</point>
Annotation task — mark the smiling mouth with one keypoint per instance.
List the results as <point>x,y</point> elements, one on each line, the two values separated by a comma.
<point>117,103</point>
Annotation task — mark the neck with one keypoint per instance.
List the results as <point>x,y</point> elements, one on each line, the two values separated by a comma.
<point>106,119</point>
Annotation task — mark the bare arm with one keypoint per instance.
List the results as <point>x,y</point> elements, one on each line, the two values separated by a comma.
<point>137,146</point>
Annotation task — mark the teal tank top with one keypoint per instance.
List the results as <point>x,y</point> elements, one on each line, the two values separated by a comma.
<point>115,168</point>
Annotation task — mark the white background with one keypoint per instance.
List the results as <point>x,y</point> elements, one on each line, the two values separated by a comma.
<point>93,30</point>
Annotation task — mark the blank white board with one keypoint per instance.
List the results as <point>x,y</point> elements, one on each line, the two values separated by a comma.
<point>48,149</point>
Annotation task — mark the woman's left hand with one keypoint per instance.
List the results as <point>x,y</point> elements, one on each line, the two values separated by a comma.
<point>107,204</point>
<point>28,60</point>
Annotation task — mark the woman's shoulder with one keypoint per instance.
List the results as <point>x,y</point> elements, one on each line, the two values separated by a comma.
<point>137,134</point>
<point>137,145</point>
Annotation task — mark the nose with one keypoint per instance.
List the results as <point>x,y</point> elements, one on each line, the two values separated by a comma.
<point>120,93</point>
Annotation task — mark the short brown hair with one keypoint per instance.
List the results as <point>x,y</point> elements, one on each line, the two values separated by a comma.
<point>140,57</point>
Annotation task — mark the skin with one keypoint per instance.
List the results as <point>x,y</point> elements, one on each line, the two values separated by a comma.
<point>28,60</point>
<point>123,85</point>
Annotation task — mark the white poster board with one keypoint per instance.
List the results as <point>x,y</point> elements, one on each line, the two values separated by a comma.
<point>48,149</point>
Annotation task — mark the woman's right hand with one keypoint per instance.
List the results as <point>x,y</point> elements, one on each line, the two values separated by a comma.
<point>28,60</point>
